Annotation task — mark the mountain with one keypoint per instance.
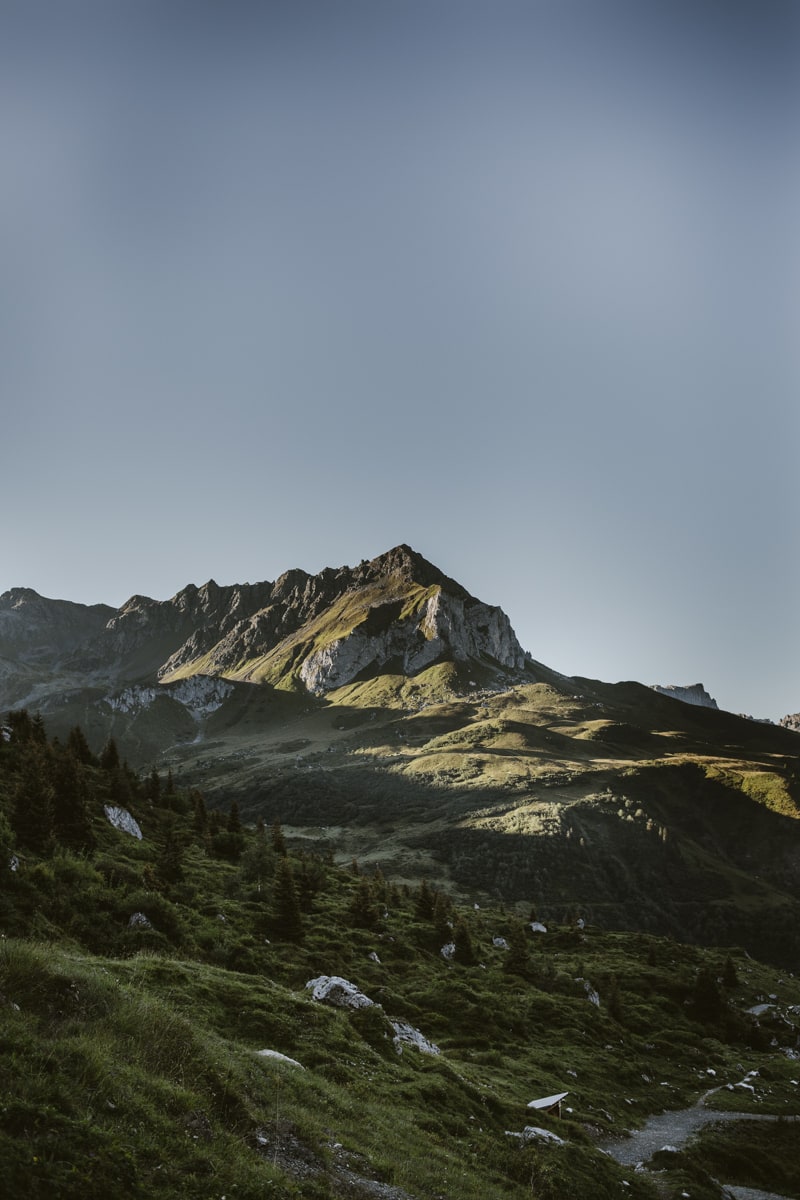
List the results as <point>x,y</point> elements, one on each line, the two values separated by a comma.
<point>384,712</point>
<point>303,632</point>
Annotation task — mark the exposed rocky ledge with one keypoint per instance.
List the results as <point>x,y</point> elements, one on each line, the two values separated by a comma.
<point>444,626</point>
<point>692,693</point>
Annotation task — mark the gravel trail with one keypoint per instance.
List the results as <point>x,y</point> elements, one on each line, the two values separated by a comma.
<point>674,1129</point>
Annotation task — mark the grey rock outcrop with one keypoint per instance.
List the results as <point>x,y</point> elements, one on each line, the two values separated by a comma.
<point>406,1035</point>
<point>444,626</point>
<point>121,819</point>
<point>693,693</point>
<point>333,989</point>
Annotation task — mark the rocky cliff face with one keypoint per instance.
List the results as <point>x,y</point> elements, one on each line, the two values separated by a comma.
<point>693,693</point>
<point>318,631</point>
<point>36,628</point>
<point>442,627</point>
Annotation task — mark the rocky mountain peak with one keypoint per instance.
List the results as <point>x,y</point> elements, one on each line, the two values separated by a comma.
<point>405,563</point>
<point>17,597</point>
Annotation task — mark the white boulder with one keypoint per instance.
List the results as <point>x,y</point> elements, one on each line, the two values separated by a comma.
<point>405,1034</point>
<point>334,990</point>
<point>276,1056</point>
<point>121,819</point>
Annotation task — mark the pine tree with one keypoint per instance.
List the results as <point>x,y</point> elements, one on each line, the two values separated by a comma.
<point>71,822</point>
<point>517,959</point>
<point>440,915</point>
<point>7,842</point>
<point>258,859</point>
<point>707,1001</point>
<point>464,952</point>
<point>153,789</point>
<point>79,747</point>
<point>32,813</point>
<point>169,867</point>
<point>288,922</point>
<point>730,979</point>
<point>109,756</point>
<point>278,840</point>
<point>363,909</point>
<point>614,1000</point>
<point>200,819</point>
<point>423,905</point>
<point>234,824</point>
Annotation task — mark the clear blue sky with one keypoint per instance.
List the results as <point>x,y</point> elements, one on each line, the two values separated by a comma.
<point>285,284</point>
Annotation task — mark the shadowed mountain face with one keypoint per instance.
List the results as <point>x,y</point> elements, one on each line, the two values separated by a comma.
<point>388,713</point>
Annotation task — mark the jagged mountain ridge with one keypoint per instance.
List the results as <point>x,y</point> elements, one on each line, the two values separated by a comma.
<point>303,631</point>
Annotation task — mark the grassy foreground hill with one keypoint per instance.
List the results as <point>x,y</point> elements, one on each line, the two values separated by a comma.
<point>141,978</point>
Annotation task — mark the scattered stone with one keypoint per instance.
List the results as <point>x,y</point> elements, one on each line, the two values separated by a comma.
<point>500,943</point>
<point>592,994</point>
<point>537,927</point>
<point>138,920</point>
<point>278,1057</point>
<point>448,951</point>
<point>332,989</point>
<point>405,1034</point>
<point>531,1132</point>
<point>373,957</point>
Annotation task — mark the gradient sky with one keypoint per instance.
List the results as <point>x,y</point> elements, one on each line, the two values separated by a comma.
<point>285,284</point>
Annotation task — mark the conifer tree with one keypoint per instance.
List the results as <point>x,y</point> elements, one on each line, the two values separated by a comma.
<point>278,840</point>
<point>363,909</point>
<point>234,824</point>
<point>71,822</point>
<point>79,747</point>
<point>153,790</point>
<point>200,819</point>
<point>462,940</point>
<point>32,813</point>
<point>109,756</point>
<point>707,1001</point>
<point>288,922</point>
<point>169,867</point>
<point>614,1000</point>
<point>730,979</point>
<point>423,905</point>
<point>440,916</point>
<point>258,859</point>
<point>517,959</point>
<point>7,841</point>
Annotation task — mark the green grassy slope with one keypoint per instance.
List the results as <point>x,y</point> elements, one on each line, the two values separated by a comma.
<point>129,1057</point>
